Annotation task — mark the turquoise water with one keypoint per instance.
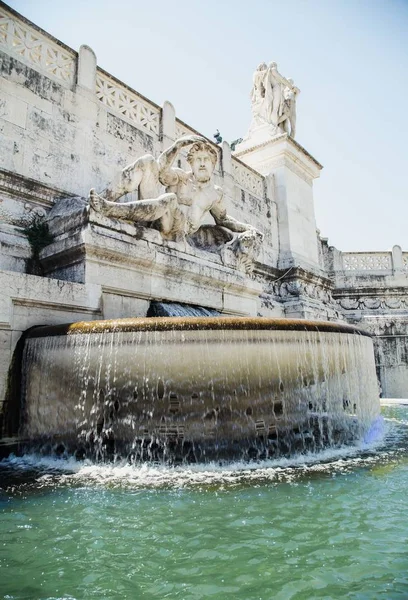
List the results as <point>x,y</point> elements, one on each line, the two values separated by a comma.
<point>332,527</point>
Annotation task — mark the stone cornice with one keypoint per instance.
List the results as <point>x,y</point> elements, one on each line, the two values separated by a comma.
<point>370,292</point>
<point>281,151</point>
<point>21,187</point>
<point>274,141</point>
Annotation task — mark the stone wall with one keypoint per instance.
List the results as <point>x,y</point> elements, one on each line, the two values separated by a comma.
<point>371,289</point>
<point>67,126</point>
<point>66,123</point>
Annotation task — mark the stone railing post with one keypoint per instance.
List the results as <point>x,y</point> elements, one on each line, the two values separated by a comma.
<point>86,75</point>
<point>337,257</point>
<point>397,260</point>
<point>168,125</point>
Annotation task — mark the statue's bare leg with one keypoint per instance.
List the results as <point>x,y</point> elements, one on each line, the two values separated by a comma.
<point>140,210</point>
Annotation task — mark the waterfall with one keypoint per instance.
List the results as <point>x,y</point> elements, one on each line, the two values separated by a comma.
<point>197,389</point>
<point>176,309</point>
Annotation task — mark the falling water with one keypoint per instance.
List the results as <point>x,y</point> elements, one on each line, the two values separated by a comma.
<point>197,389</point>
<point>176,309</point>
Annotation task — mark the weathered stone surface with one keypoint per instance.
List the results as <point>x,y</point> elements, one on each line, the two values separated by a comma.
<point>67,126</point>
<point>134,261</point>
<point>291,171</point>
<point>128,133</point>
<point>19,73</point>
<point>371,290</point>
<point>179,213</point>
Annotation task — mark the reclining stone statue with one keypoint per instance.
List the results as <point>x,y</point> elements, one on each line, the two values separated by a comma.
<point>189,197</point>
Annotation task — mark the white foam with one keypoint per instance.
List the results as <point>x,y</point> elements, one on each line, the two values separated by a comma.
<point>122,475</point>
<point>394,401</point>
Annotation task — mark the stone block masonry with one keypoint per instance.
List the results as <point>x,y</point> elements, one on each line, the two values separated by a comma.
<point>67,126</point>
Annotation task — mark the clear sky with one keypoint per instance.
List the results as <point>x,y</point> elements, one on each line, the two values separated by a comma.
<point>348,57</point>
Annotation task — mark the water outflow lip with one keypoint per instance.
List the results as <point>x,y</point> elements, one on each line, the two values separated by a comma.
<point>192,324</point>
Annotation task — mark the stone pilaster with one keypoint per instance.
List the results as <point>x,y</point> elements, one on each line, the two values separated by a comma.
<point>293,170</point>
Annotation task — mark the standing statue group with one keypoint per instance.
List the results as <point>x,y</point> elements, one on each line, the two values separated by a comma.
<point>273,100</point>
<point>189,197</point>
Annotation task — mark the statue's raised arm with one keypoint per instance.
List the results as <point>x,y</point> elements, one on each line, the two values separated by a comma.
<point>169,175</point>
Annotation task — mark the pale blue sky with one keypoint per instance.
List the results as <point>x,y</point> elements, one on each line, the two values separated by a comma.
<point>348,57</point>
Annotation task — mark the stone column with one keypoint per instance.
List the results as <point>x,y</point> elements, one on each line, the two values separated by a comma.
<point>168,125</point>
<point>293,170</point>
<point>86,76</point>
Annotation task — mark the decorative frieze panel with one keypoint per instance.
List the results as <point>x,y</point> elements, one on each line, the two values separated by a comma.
<point>374,302</point>
<point>247,179</point>
<point>127,103</point>
<point>23,218</point>
<point>21,40</point>
<point>405,260</point>
<point>295,288</point>
<point>367,261</point>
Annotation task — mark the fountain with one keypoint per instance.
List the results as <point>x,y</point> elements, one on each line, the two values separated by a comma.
<point>186,222</point>
<point>196,389</point>
<point>284,500</point>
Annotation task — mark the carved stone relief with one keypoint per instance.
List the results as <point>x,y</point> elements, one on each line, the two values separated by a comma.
<point>190,196</point>
<point>296,288</point>
<point>373,303</point>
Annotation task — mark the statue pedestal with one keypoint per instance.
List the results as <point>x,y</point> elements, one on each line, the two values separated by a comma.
<point>133,263</point>
<point>292,170</point>
<point>258,135</point>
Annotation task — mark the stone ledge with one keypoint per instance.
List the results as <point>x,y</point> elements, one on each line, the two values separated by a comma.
<point>146,267</point>
<point>281,150</point>
<point>22,187</point>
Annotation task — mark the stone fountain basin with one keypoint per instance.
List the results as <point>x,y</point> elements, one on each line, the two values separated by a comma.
<point>210,381</point>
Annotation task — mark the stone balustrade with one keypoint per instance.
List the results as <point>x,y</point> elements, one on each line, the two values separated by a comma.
<point>247,178</point>
<point>366,263</point>
<point>127,102</point>
<point>36,48</point>
<point>182,129</point>
<point>40,51</point>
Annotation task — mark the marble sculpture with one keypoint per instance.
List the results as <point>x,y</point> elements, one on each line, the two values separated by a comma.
<point>273,100</point>
<point>190,196</point>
